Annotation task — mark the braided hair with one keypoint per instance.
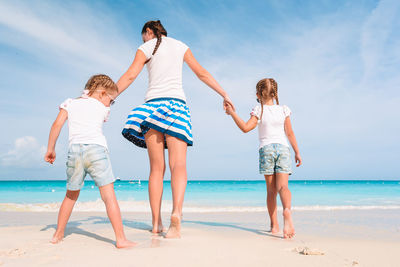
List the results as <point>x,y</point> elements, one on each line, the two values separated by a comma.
<point>100,81</point>
<point>267,88</point>
<point>158,30</point>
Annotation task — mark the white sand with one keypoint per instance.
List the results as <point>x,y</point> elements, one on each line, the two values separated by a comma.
<point>229,239</point>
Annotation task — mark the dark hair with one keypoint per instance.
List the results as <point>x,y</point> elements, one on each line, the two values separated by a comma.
<point>158,30</point>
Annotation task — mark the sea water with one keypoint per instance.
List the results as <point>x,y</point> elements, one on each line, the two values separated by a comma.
<point>207,196</point>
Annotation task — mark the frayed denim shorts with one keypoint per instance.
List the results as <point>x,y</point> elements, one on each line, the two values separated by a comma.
<point>89,159</point>
<point>275,158</point>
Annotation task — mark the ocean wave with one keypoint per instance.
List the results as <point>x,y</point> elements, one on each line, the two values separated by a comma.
<point>143,206</point>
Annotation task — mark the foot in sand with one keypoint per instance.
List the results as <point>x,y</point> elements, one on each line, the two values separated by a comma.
<point>274,228</point>
<point>158,228</point>
<point>125,244</point>
<point>288,229</point>
<point>57,238</point>
<point>174,230</point>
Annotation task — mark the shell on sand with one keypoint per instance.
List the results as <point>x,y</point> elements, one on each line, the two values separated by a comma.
<point>308,251</point>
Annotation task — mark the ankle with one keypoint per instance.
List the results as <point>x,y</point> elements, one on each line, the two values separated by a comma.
<point>59,233</point>
<point>120,239</point>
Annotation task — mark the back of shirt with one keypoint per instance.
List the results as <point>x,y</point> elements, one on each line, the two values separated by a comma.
<point>85,120</point>
<point>165,68</point>
<point>271,125</point>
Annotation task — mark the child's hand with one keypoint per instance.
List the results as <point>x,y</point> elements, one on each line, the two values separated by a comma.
<point>298,160</point>
<point>228,101</point>
<point>50,156</point>
<point>228,108</point>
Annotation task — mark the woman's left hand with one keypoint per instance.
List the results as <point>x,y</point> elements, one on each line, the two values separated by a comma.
<point>228,101</point>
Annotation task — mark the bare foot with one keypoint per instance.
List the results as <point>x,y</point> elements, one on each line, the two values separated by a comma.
<point>125,244</point>
<point>274,228</point>
<point>158,228</point>
<point>174,230</point>
<point>288,229</point>
<point>57,238</point>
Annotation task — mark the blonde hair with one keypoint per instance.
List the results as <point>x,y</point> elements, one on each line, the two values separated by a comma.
<point>267,88</point>
<point>101,81</point>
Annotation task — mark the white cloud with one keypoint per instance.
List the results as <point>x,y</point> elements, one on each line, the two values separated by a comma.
<point>27,152</point>
<point>376,31</point>
<point>71,34</point>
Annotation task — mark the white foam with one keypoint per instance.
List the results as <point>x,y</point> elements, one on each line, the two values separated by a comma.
<point>143,206</point>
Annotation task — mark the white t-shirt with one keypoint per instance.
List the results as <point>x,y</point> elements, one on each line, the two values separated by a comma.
<point>165,68</point>
<point>271,126</point>
<point>85,120</point>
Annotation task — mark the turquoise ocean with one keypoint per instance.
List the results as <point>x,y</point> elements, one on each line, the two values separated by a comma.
<point>207,196</point>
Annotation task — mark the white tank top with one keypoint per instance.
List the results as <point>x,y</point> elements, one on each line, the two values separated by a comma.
<point>164,68</point>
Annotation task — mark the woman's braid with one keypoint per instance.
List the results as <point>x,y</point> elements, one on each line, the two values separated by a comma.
<point>158,30</point>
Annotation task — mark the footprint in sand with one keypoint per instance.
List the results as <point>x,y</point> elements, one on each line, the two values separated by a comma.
<point>308,251</point>
<point>16,252</point>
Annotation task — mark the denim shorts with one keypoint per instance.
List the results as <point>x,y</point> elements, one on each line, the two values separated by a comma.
<point>275,158</point>
<point>89,159</point>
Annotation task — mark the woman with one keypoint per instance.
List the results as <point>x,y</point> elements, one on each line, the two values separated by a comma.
<point>164,120</point>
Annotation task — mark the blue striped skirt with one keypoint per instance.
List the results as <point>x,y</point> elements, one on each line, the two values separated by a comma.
<point>167,115</point>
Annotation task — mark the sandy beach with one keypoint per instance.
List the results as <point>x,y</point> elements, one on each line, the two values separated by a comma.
<point>337,238</point>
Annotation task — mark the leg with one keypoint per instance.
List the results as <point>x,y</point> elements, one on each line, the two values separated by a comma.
<point>114,214</point>
<point>155,149</point>
<point>177,163</point>
<point>64,214</point>
<point>286,198</point>
<point>271,202</point>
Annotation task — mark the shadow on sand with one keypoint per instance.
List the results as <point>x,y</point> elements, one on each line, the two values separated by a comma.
<point>73,227</point>
<point>234,226</point>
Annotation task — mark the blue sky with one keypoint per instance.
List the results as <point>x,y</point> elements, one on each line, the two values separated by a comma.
<point>336,63</point>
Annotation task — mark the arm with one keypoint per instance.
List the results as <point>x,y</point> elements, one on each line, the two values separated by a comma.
<point>292,139</point>
<point>132,72</point>
<point>205,76</point>
<point>53,136</point>
<point>244,126</point>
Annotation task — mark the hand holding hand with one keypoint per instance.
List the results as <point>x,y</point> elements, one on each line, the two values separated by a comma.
<point>298,160</point>
<point>228,108</point>
<point>228,101</point>
<point>50,156</point>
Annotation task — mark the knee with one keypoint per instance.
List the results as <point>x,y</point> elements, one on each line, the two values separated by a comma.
<point>73,195</point>
<point>158,168</point>
<point>177,165</point>
<point>282,188</point>
<point>272,192</point>
<point>105,198</point>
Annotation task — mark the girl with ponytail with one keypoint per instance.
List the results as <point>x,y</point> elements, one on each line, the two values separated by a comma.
<point>163,121</point>
<point>274,127</point>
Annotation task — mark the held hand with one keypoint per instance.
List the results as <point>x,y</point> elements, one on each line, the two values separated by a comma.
<point>298,160</point>
<point>50,156</point>
<point>228,108</point>
<point>227,100</point>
